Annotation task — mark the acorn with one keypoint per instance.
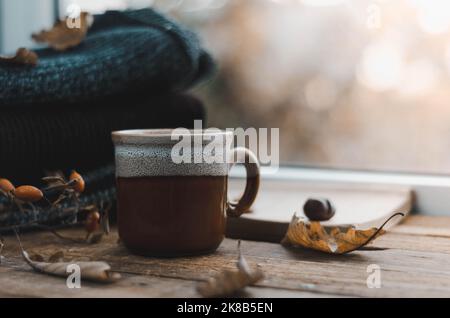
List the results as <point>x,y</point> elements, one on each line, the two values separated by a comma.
<point>6,185</point>
<point>319,209</point>
<point>92,223</point>
<point>28,193</point>
<point>79,184</point>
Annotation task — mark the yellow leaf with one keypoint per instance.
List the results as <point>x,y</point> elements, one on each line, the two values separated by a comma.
<point>333,240</point>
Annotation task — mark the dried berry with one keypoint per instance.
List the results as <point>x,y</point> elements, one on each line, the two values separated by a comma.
<point>92,222</point>
<point>6,185</point>
<point>79,185</point>
<point>28,193</point>
<point>319,209</point>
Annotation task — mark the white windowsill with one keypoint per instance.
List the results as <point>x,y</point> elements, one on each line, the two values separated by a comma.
<point>432,193</point>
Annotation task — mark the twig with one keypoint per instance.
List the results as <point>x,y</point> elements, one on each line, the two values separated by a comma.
<point>18,238</point>
<point>105,217</point>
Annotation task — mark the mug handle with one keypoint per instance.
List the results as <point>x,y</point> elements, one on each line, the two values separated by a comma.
<point>251,164</point>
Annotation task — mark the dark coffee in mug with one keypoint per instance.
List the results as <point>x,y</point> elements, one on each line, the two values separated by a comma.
<point>172,214</point>
<point>168,208</point>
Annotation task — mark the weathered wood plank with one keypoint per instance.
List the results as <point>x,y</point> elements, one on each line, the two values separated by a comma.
<point>24,283</point>
<point>415,265</point>
<point>425,226</point>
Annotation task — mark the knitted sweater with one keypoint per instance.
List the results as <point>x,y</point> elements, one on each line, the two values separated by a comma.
<point>52,137</point>
<point>124,52</point>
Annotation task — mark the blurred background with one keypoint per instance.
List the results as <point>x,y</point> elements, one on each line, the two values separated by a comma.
<point>360,84</point>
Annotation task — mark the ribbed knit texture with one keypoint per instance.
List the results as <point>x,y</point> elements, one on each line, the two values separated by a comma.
<point>54,137</point>
<point>125,52</point>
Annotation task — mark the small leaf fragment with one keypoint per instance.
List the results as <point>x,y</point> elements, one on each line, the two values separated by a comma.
<point>99,272</point>
<point>57,257</point>
<point>65,34</point>
<point>23,56</point>
<point>230,282</point>
<point>37,257</point>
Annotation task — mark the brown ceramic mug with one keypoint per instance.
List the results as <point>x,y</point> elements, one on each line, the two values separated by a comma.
<point>172,208</point>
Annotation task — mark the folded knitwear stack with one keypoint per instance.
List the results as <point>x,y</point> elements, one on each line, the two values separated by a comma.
<point>130,72</point>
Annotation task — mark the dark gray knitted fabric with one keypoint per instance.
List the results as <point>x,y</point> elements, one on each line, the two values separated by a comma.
<point>125,52</point>
<point>55,137</point>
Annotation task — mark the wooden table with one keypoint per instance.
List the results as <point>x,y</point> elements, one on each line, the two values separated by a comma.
<point>415,263</point>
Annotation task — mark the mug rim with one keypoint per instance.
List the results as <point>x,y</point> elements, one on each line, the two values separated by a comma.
<point>162,134</point>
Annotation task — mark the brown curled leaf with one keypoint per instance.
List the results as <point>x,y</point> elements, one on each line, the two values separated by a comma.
<point>230,282</point>
<point>56,257</point>
<point>99,272</point>
<point>66,33</point>
<point>37,257</point>
<point>336,240</point>
<point>23,56</point>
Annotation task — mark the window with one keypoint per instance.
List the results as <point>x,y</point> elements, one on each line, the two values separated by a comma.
<point>351,84</point>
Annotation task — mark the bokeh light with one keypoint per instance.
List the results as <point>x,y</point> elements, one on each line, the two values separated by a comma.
<point>381,67</point>
<point>434,15</point>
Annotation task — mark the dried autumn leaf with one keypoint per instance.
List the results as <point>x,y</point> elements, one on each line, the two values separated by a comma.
<point>65,34</point>
<point>228,283</point>
<point>56,257</point>
<point>336,240</point>
<point>37,257</point>
<point>99,272</point>
<point>23,56</point>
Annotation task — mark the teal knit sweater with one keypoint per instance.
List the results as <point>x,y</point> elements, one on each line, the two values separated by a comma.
<point>124,53</point>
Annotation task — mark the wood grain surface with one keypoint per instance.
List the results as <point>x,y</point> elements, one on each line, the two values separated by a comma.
<point>414,258</point>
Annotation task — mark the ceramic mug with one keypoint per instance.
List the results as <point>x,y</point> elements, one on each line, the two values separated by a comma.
<point>171,207</point>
